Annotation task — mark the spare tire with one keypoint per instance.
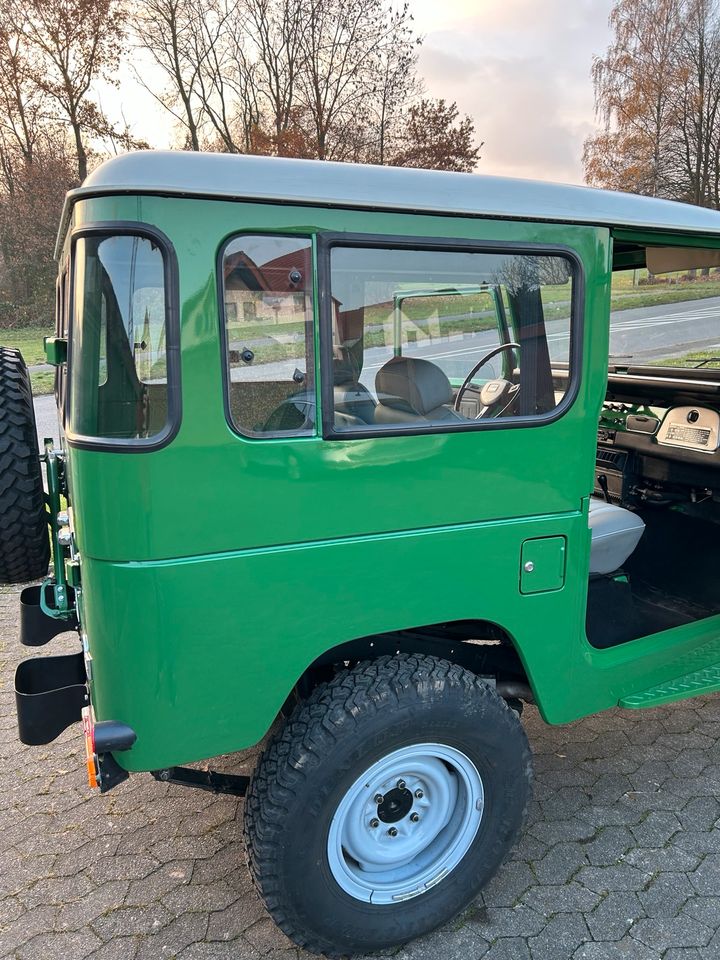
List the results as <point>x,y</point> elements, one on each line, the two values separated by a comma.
<point>24,540</point>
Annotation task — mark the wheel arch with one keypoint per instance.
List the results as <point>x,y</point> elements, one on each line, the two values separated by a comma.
<point>481,646</point>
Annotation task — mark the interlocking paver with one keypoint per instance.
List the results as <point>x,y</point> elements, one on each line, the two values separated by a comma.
<point>620,859</point>
<point>609,846</point>
<point>660,933</point>
<point>614,915</point>
<point>560,937</point>
<point>666,895</point>
<point>626,949</point>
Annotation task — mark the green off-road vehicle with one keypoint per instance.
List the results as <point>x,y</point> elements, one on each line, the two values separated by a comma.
<point>371,456</point>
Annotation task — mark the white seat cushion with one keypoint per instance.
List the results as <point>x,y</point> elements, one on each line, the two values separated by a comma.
<point>615,534</point>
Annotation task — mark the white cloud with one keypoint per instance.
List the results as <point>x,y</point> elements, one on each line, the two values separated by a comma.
<point>522,71</point>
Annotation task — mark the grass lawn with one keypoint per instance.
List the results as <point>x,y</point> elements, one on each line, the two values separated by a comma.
<point>28,340</point>
<point>693,359</point>
<point>42,382</point>
<point>624,298</point>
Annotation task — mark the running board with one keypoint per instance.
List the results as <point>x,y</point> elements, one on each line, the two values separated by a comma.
<point>693,684</point>
<point>204,780</point>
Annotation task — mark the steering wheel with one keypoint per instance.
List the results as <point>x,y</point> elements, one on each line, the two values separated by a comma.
<point>494,392</point>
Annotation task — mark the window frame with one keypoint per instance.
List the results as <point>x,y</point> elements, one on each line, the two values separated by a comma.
<point>311,431</point>
<point>328,240</point>
<point>61,330</point>
<point>115,228</point>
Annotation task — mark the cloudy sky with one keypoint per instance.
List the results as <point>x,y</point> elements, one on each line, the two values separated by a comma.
<point>520,68</point>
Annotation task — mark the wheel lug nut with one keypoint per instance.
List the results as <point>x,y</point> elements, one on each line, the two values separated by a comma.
<point>419,794</point>
<point>378,798</point>
<point>392,832</point>
<point>401,784</point>
<point>374,823</point>
<point>414,817</point>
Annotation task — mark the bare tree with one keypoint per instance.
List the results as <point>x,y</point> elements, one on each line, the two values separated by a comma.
<point>696,141</point>
<point>168,30</point>
<point>72,44</point>
<point>332,79</point>
<point>397,87</point>
<point>277,31</point>
<point>343,44</point>
<point>22,113</point>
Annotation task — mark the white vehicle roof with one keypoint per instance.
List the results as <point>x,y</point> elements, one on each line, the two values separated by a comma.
<point>321,183</point>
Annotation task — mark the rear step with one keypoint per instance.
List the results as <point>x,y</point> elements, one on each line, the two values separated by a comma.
<point>693,684</point>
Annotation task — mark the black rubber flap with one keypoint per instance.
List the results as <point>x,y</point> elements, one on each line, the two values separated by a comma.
<point>36,628</point>
<point>50,693</point>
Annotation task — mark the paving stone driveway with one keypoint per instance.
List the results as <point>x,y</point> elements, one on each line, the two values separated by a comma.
<point>620,858</point>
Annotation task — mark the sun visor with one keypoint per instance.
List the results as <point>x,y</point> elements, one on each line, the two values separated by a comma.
<point>671,259</point>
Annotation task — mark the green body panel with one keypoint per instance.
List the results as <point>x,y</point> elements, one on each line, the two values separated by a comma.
<point>216,569</point>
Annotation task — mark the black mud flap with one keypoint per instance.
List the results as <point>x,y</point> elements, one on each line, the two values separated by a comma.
<point>50,693</point>
<point>36,627</point>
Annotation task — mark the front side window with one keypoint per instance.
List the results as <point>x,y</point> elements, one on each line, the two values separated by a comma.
<point>447,337</point>
<point>118,374</point>
<point>267,296</point>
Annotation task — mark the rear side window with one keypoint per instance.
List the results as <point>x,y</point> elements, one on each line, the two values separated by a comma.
<point>447,338</point>
<point>118,351</point>
<point>268,311</point>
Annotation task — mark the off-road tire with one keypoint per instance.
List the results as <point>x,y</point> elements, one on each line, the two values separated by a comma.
<point>331,739</point>
<point>24,543</point>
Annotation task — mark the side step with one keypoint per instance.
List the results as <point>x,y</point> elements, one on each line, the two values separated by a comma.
<point>693,684</point>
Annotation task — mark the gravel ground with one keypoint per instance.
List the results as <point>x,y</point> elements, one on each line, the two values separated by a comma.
<point>620,857</point>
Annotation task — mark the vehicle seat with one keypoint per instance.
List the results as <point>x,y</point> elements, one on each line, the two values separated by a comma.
<point>354,404</point>
<point>411,390</point>
<point>615,533</point>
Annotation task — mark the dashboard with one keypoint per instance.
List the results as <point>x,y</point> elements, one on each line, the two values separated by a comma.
<point>650,453</point>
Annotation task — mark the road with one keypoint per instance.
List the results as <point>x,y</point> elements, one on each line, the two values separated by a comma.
<point>645,334</point>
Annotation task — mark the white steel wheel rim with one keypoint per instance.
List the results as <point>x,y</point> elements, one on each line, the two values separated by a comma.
<point>385,846</point>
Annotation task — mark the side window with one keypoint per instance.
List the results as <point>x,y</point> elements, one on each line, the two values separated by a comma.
<point>447,337</point>
<point>118,376</point>
<point>268,317</point>
<point>664,308</point>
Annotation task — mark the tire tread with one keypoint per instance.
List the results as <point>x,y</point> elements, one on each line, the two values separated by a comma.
<point>24,542</point>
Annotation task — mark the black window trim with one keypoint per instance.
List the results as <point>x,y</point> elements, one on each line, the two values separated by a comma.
<point>310,431</point>
<point>114,228</point>
<point>328,240</point>
<point>61,330</point>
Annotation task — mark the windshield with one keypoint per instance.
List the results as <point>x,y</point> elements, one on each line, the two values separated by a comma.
<point>668,317</point>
